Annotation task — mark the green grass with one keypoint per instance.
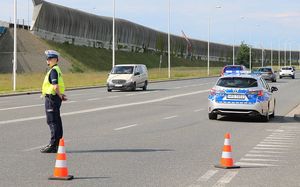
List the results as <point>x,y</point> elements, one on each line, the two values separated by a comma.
<point>33,81</point>
<point>88,59</point>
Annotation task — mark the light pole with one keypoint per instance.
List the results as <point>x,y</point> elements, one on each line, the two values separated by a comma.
<point>279,56</point>
<point>169,41</point>
<point>15,45</point>
<point>290,54</point>
<point>208,42</point>
<point>113,33</point>
<point>271,54</point>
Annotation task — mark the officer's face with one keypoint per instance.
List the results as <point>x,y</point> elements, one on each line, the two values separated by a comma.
<point>51,61</point>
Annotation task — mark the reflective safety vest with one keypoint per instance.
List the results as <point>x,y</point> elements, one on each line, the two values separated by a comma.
<point>48,88</point>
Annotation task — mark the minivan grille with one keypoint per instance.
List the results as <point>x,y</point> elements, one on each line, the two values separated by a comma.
<point>119,81</point>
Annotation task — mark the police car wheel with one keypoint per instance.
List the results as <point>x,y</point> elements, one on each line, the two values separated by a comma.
<point>265,118</point>
<point>212,116</point>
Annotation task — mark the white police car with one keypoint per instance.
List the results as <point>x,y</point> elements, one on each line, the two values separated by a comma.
<point>242,94</point>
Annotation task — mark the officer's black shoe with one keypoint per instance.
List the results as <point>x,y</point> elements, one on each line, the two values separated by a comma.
<point>49,149</point>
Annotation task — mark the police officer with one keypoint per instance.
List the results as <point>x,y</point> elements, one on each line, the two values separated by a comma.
<point>53,90</point>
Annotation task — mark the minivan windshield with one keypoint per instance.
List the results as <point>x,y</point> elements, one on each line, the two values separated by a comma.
<point>122,70</point>
<point>237,82</point>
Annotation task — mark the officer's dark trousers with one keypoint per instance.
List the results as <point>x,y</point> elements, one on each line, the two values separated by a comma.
<point>52,106</point>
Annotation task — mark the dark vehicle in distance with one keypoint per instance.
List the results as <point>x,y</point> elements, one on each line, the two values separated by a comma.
<point>267,73</point>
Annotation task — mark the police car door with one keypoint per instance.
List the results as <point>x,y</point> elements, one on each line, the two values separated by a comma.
<point>269,95</point>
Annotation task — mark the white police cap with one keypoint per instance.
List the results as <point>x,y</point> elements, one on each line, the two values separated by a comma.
<point>51,54</point>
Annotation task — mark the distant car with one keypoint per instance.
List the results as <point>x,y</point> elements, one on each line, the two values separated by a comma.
<point>287,71</point>
<point>242,94</point>
<point>267,73</point>
<point>233,69</point>
<point>127,77</point>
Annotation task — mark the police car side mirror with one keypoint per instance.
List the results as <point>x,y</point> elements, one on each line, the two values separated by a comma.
<point>274,89</point>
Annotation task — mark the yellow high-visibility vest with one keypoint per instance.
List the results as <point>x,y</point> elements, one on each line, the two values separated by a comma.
<point>48,88</point>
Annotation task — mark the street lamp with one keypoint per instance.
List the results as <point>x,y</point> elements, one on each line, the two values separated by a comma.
<point>15,45</point>
<point>113,33</point>
<point>169,41</point>
<point>208,42</point>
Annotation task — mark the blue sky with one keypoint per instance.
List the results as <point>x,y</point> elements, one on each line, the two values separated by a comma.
<point>257,22</point>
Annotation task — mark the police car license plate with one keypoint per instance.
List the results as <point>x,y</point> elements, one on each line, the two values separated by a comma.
<point>235,96</point>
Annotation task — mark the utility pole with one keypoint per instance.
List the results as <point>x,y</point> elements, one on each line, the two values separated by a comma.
<point>15,46</point>
<point>169,42</point>
<point>113,33</point>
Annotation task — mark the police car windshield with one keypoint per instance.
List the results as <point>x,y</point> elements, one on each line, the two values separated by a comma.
<point>237,82</point>
<point>122,70</point>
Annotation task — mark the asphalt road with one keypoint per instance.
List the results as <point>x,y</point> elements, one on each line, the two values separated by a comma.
<point>160,137</point>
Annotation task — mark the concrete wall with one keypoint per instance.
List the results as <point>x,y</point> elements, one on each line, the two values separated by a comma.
<point>62,24</point>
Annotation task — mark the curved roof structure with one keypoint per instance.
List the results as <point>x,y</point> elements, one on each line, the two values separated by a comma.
<point>63,24</point>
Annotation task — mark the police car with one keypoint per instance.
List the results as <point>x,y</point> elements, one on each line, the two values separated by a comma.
<point>242,93</point>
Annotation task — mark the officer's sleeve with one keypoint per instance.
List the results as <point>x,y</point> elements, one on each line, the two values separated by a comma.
<point>53,78</point>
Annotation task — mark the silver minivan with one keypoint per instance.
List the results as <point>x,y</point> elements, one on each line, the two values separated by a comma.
<point>127,77</point>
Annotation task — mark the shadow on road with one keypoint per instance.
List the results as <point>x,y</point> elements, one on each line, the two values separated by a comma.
<point>120,151</point>
<point>276,119</point>
<point>88,178</point>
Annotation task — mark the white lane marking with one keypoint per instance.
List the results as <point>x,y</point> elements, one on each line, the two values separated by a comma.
<point>207,175</point>
<point>106,108</point>
<point>259,159</point>
<point>20,107</point>
<point>170,117</point>
<point>132,94</point>
<point>256,155</point>
<point>226,178</point>
<point>269,148</point>
<point>253,164</point>
<point>276,143</point>
<point>112,97</point>
<point>199,110</point>
<point>126,127</point>
<point>278,138</point>
<point>276,130</point>
<point>94,99</point>
<point>38,147</point>
<point>29,106</point>
<point>269,152</point>
<point>266,145</point>
<point>272,140</point>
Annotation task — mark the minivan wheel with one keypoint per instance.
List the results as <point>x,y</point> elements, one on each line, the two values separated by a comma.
<point>145,86</point>
<point>212,116</point>
<point>109,90</point>
<point>133,87</point>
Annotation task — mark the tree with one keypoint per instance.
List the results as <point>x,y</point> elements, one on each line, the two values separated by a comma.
<point>243,55</point>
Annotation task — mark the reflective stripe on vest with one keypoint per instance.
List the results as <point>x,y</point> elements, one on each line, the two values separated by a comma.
<point>48,88</point>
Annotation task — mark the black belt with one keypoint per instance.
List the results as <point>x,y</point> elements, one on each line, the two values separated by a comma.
<point>50,95</point>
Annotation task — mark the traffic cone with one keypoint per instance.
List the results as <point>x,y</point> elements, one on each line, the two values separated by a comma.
<point>61,170</point>
<point>226,161</point>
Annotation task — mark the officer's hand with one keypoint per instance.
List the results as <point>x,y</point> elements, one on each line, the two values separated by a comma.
<point>64,97</point>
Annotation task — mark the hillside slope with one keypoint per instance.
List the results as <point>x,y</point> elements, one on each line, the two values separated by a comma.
<point>30,56</point>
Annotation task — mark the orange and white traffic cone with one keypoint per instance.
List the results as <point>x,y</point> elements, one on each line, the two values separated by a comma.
<point>226,160</point>
<point>61,169</point>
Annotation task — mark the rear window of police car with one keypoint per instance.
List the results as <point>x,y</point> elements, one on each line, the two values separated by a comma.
<point>237,82</point>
